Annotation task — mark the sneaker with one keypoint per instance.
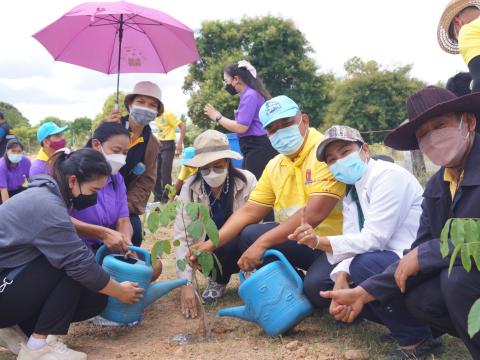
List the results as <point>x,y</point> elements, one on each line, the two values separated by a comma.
<point>428,347</point>
<point>11,338</point>
<point>53,350</point>
<point>213,292</point>
<point>101,321</point>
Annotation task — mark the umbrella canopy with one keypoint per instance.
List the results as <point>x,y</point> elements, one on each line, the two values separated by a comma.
<point>119,37</point>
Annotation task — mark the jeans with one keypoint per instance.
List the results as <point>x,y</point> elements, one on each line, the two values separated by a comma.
<point>164,169</point>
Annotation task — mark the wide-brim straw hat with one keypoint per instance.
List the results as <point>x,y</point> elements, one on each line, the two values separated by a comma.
<point>424,105</point>
<point>146,88</point>
<point>210,146</point>
<point>445,39</point>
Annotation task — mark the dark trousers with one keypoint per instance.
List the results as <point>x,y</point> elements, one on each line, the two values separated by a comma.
<point>405,328</point>
<point>137,236</point>
<point>164,169</point>
<point>228,256</point>
<point>257,152</point>
<point>46,301</point>
<point>448,303</point>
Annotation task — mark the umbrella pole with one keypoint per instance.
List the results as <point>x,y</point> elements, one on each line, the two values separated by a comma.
<point>120,38</point>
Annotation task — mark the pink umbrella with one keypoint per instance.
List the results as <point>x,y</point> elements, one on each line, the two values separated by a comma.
<point>119,37</point>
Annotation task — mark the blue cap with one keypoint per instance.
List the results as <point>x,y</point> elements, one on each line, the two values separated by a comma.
<point>280,107</point>
<point>49,128</point>
<point>187,154</point>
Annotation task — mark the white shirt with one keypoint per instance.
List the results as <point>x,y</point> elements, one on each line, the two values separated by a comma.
<point>391,199</point>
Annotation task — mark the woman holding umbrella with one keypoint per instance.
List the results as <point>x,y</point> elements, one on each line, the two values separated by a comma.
<point>241,78</point>
<point>140,170</point>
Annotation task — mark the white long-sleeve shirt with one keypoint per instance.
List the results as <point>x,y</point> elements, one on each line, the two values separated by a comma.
<point>391,199</point>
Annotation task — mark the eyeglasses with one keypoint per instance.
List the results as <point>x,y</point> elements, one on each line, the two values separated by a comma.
<point>216,169</point>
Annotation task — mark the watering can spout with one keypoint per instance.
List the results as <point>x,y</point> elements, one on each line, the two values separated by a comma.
<point>238,312</point>
<point>157,290</point>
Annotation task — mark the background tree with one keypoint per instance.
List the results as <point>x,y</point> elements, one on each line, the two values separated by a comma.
<point>278,50</point>
<point>371,98</point>
<point>28,137</point>
<point>80,131</point>
<point>13,116</point>
<point>108,107</point>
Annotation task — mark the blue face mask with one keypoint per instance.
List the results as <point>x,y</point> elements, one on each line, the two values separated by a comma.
<point>350,169</point>
<point>15,158</point>
<point>287,140</point>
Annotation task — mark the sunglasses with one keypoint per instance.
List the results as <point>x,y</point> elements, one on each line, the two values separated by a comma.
<point>216,169</point>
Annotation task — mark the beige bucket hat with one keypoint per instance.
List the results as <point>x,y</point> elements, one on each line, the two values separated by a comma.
<point>146,88</point>
<point>210,146</point>
<point>445,38</point>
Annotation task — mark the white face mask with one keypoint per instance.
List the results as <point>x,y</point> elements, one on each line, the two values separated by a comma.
<point>116,161</point>
<point>215,180</point>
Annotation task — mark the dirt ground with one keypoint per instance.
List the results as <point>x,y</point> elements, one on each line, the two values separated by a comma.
<point>317,337</point>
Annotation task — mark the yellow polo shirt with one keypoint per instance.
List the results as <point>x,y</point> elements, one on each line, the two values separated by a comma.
<point>286,185</point>
<point>167,124</point>
<point>469,40</point>
<point>42,156</point>
<point>450,177</point>
<point>186,172</point>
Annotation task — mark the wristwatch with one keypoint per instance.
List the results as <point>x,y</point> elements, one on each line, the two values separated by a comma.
<point>218,117</point>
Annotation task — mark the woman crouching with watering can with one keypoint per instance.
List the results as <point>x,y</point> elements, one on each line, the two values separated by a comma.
<point>48,276</point>
<point>222,189</point>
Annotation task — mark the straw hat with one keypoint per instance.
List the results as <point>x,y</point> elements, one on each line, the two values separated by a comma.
<point>447,43</point>
<point>210,146</point>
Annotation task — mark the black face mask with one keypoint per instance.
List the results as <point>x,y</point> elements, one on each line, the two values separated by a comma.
<point>84,201</point>
<point>231,89</point>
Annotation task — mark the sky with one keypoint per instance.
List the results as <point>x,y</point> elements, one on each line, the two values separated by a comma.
<point>390,32</point>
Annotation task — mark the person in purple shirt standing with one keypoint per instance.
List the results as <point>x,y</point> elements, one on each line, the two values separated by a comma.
<point>107,222</point>
<point>241,78</point>
<point>14,169</point>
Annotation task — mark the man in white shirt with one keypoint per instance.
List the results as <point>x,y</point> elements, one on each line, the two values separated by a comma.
<point>381,214</point>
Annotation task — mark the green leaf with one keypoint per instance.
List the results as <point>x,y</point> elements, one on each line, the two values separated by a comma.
<point>167,247</point>
<point>176,243</point>
<point>219,266</point>
<point>453,257</point>
<point>164,219</point>
<point>182,264</point>
<point>157,251</point>
<point>195,251</point>
<point>204,213</point>
<point>466,259</point>
<point>475,252</point>
<point>474,319</point>
<point>458,232</point>
<point>444,248</point>
<point>171,210</point>
<point>171,191</point>
<point>214,274</point>
<point>195,230</point>
<point>153,222</point>
<point>471,231</point>
<point>212,232</point>
<point>192,210</point>
<point>205,259</point>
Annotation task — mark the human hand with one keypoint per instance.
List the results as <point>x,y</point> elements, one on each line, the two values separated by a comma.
<point>304,234</point>
<point>408,266</point>
<point>188,302</point>
<point>210,111</point>
<point>206,246</point>
<point>338,311</point>
<point>115,241</point>
<point>350,302</point>
<point>114,116</point>
<point>130,292</point>
<point>178,148</point>
<point>252,257</point>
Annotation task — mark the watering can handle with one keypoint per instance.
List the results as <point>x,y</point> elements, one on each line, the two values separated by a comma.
<point>101,253</point>
<point>282,258</point>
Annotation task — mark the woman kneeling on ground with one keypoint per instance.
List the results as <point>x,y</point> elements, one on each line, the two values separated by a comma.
<point>222,189</point>
<point>50,277</point>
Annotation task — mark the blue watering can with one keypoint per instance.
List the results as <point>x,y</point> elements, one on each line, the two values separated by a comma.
<point>273,297</point>
<point>134,270</point>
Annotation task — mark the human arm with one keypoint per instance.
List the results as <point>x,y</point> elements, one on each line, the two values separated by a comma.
<point>124,226</point>
<point>126,291</point>
<point>179,146</point>
<point>4,194</point>
<point>112,239</point>
<point>228,124</point>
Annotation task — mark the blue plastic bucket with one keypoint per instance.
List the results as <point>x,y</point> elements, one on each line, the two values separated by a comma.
<point>235,145</point>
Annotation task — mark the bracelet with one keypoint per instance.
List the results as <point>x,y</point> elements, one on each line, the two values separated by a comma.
<point>218,117</point>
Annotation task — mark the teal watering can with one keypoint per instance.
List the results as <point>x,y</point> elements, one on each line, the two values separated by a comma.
<point>273,297</point>
<point>135,270</point>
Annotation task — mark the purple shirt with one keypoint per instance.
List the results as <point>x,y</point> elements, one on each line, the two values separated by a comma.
<point>247,113</point>
<point>13,178</point>
<point>39,167</point>
<point>111,206</point>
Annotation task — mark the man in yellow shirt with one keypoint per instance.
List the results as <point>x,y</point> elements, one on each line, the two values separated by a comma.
<point>167,125</point>
<point>292,180</point>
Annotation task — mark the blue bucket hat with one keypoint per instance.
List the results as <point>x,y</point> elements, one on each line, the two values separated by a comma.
<point>49,128</point>
<point>280,107</point>
<point>187,154</point>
